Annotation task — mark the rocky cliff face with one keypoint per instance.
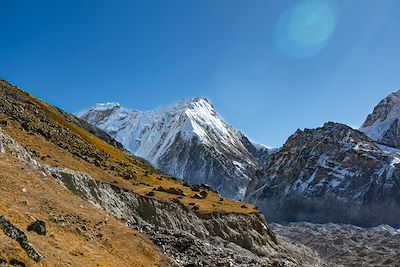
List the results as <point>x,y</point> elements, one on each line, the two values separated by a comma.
<point>382,125</point>
<point>187,140</point>
<point>329,174</point>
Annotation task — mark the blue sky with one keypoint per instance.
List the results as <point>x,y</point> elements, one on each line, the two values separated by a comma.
<point>269,67</point>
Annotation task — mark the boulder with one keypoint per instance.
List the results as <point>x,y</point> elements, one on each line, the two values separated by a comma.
<point>172,190</point>
<point>38,226</point>
<point>204,194</point>
<point>150,194</point>
<point>175,191</point>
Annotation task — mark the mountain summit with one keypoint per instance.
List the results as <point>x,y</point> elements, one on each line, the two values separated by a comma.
<point>382,125</point>
<point>188,140</point>
<point>329,174</point>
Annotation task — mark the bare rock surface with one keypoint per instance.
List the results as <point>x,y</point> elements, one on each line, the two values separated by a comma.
<point>17,234</point>
<point>347,245</point>
<point>329,174</point>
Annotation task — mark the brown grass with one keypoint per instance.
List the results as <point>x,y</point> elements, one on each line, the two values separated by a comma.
<point>64,245</point>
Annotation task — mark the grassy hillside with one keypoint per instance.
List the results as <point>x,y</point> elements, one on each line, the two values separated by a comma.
<point>78,233</point>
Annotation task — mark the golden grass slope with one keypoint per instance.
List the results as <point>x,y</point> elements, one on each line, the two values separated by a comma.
<point>78,233</point>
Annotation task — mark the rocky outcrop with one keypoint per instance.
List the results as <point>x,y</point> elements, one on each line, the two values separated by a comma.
<point>187,140</point>
<point>15,233</point>
<point>259,152</point>
<point>189,238</point>
<point>382,125</point>
<point>38,227</point>
<point>329,174</point>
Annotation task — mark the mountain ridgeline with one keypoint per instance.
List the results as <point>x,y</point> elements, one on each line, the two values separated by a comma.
<point>187,140</point>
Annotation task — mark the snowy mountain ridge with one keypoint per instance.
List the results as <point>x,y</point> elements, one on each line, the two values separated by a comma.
<point>187,139</point>
<point>330,174</point>
<point>382,125</point>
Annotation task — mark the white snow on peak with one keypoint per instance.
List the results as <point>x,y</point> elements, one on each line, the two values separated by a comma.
<point>260,146</point>
<point>382,117</point>
<point>187,139</point>
<point>148,134</point>
<point>99,107</point>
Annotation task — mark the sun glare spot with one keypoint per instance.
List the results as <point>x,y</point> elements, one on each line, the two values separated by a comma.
<point>304,29</point>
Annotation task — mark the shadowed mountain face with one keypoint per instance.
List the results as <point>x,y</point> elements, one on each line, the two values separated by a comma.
<point>329,174</point>
<point>188,140</point>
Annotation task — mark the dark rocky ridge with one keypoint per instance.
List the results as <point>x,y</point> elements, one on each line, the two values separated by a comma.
<point>91,129</point>
<point>13,232</point>
<point>261,154</point>
<point>19,105</point>
<point>329,174</point>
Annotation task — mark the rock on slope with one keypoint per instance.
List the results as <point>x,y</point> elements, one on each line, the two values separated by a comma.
<point>329,174</point>
<point>382,125</point>
<point>187,140</point>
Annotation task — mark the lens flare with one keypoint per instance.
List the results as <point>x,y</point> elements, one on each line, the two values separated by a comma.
<point>304,29</point>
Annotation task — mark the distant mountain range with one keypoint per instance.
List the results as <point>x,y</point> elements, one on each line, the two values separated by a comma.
<point>187,140</point>
<point>330,174</point>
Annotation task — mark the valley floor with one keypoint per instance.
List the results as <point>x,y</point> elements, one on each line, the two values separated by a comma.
<point>346,245</point>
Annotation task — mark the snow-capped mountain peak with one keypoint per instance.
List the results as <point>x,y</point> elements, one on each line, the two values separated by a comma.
<point>100,107</point>
<point>329,174</point>
<point>187,139</point>
<point>203,120</point>
<point>382,125</point>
